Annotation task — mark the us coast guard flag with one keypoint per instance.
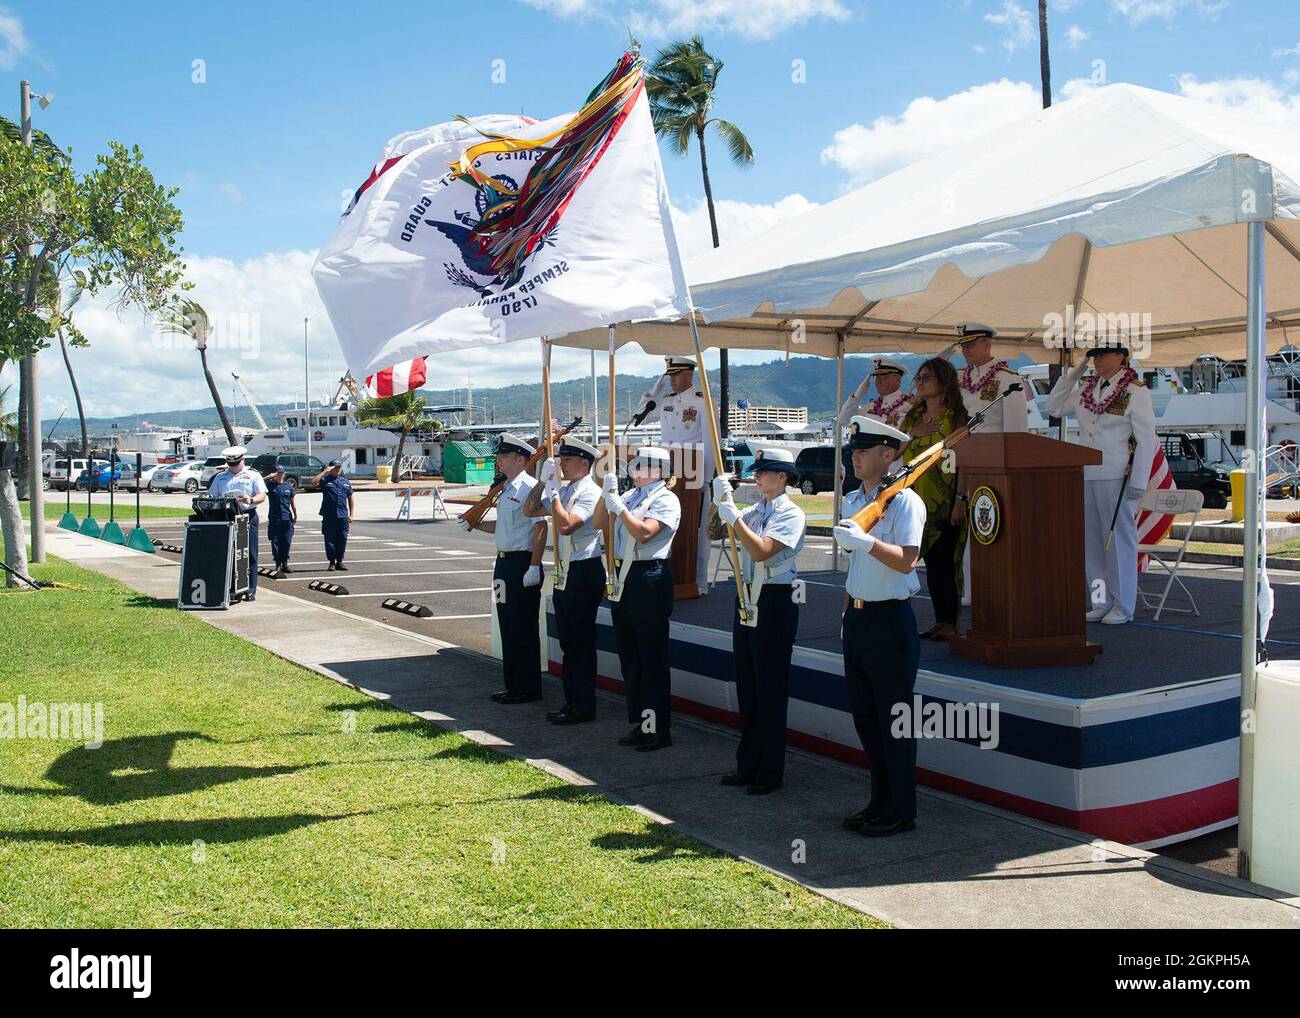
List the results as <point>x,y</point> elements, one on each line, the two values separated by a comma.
<point>517,242</point>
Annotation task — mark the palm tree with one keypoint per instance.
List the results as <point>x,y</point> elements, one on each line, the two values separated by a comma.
<point>680,85</point>
<point>405,412</point>
<point>8,419</point>
<point>1044,65</point>
<point>187,318</point>
<point>66,309</point>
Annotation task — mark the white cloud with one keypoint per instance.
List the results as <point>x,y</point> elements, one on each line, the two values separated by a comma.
<point>1077,86</point>
<point>232,192</point>
<point>737,221</point>
<point>1294,51</point>
<point>928,125</point>
<point>1075,36</point>
<point>13,40</point>
<point>1255,97</point>
<point>656,19</point>
<point>1138,11</point>
<point>977,48</point>
<point>1017,26</point>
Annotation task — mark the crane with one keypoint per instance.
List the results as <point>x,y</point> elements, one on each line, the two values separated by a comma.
<point>252,403</point>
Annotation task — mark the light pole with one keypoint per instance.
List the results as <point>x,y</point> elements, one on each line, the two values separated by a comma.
<point>29,378</point>
<point>306,380</point>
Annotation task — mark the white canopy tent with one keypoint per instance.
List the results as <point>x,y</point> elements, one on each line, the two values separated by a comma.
<point>1122,202</point>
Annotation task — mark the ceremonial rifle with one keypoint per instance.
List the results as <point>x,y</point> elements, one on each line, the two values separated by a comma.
<point>475,513</point>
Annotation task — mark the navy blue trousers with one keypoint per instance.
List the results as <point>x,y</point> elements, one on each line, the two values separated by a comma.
<point>335,532</point>
<point>575,619</point>
<point>280,534</point>
<point>881,654</point>
<point>762,660</point>
<point>517,610</point>
<point>641,629</point>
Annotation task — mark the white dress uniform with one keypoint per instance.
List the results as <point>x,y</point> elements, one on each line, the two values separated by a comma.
<point>514,530</point>
<point>581,497</point>
<point>902,524</point>
<point>247,482</point>
<point>889,409</point>
<point>1112,576</point>
<point>981,385</point>
<point>682,425</point>
<point>653,502</point>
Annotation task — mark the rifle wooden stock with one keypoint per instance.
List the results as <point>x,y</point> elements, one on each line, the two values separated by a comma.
<point>475,513</point>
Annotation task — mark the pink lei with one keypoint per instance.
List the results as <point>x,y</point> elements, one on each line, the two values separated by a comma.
<point>1087,401</point>
<point>975,387</point>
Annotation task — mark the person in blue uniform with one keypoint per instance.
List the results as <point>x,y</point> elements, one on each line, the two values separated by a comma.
<point>336,509</point>
<point>579,571</point>
<point>281,515</point>
<point>641,593</point>
<point>517,576</point>
<point>770,536</point>
<point>881,644</point>
<point>249,490</point>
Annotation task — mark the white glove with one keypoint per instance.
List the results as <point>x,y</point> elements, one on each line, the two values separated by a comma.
<point>729,511</point>
<point>533,577</point>
<point>613,502</point>
<point>1077,371</point>
<point>462,523</point>
<point>851,537</point>
<point>861,390</point>
<point>721,487</point>
<point>550,471</point>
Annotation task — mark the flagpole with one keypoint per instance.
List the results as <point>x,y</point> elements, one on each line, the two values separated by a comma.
<point>612,462</point>
<point>716,441</point>
<point>550,450</point>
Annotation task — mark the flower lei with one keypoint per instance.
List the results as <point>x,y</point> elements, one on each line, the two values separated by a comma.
<point>1087,401</point>
<point>973,387</point>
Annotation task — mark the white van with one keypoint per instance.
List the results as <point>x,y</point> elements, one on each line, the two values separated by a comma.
<point>61,478</point>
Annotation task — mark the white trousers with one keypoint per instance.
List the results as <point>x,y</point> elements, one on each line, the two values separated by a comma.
<point>1112,575</point>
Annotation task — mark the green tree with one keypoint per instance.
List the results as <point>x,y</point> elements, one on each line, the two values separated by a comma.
<point>112,228</point>
<point>8,419</point>
<point>681,84</point>
<point>404,413</point>
<point>187,318</point>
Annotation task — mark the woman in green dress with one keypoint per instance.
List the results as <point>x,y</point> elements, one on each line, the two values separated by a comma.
<point>938,412</point>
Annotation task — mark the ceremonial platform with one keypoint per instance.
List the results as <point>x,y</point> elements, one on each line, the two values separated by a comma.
<point>1139,747</point>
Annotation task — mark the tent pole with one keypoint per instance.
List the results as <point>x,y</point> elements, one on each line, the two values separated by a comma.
<point>1255,362</point>
<point>839,447</point>
<point>612,463</point>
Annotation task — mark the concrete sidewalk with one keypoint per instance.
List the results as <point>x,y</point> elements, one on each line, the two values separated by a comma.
<point>966,865</point>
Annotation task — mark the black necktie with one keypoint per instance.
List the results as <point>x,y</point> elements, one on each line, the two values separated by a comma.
<point>1105,384</point>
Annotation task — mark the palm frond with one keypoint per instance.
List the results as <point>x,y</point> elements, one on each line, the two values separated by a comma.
<point>733,137</point>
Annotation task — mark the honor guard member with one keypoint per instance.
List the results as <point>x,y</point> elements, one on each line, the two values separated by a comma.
<point>645,522</point>
<point>249,490</point>
<point>983,379</point>
<point>281,515</point>
<point>770,534</point>
<point>579,571</point>
<point>881,644</point>
<point>682,426</point>
<point>1115,417</point>
<point>517,575</point>
<point>891,402</point>
<point>336,510</point>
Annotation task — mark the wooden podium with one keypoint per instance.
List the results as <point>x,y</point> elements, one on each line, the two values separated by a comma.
<point>1028,587</point>
<point>686,542</point>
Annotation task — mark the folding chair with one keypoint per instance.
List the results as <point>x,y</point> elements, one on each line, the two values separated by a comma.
<point>1170,502</point>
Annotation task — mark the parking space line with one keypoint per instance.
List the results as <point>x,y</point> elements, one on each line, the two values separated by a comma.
<point>360,576</point>
<point>448,618</point>
<point>410,593</point>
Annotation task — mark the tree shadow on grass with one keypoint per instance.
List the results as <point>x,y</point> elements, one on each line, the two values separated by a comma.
<point>180,832</point>
<point>657,843</point>
<point>138,600</point>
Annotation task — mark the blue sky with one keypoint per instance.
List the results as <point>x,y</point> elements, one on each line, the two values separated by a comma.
<point>298,99</point>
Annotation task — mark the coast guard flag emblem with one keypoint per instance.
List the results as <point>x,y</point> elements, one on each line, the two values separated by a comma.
<point>487,231</point>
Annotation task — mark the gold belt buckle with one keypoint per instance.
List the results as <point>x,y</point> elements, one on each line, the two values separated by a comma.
<point>859,603</point>
<point>501,554</point>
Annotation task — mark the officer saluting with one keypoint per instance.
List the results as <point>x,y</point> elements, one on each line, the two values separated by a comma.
<point>517,575</point>
<point>983,379</point>
<point>770,534</point>
<point>1115,417</point>
<point>336,509</point>
<point>579,571</point>
<point>249,490</point>
<point>281,515</point>
<point>881,645</point>
<point>890,404</point>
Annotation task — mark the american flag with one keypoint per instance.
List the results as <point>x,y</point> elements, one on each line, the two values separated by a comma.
<point>1152,527</point>
<point>398,379</point>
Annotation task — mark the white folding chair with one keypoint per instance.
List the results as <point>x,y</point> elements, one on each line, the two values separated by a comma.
<point>1170,502</point>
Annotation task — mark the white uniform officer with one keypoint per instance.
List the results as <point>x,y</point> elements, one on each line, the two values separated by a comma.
<point>683,425</point>
<point>881,644</point>
<point>1115,417</point>
<point>517,575</point>
<point>579,570</point>
<point>641,594</point>
<point>983,379</point>
<point>247,486</point>
<point>770,534</point>
<point>890,403</point>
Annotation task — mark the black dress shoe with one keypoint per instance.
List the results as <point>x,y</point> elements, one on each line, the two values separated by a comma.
<point>500,695</point>
<point>330,568</point>
<point>520,698</point>
<point>551,715</point>
<point>284,567</point>
<point>343,569</point>
<point>762,787</point>
<point>735,778</point>
<point>575,717</point>
<point>856,821</point>
<point>633,738</point>
<point>884,828</point>
<point>653,742</point>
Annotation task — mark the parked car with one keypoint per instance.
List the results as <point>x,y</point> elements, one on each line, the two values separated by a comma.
<point>212,466</point>
<point>100,477</point>
<point>145,480</point>
<point>64,472</point>
<point>299,469</point>
<point>816,466</point>
<point>178,477</point>
<point>1189,470</point>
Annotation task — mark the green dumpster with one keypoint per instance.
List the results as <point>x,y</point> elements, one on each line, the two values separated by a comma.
<point>468,463</point>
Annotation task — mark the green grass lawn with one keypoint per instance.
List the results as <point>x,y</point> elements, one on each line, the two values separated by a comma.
<point>124,511</point>
<point>236,789</point>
